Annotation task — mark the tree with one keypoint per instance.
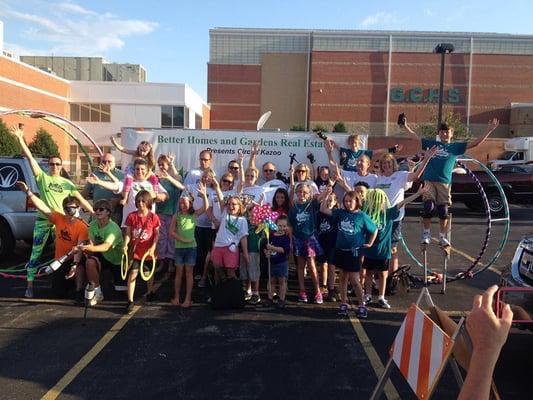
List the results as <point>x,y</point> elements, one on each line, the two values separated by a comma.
<point>460,130</point>
<point>340,127</point>
<point>9,145</point>
<point>297,128</point>
<point>320,127</point>
<point>43,145</point>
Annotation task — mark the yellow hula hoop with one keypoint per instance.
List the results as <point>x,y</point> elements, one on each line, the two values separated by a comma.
<point>124,265</point>
<point>141,268</point>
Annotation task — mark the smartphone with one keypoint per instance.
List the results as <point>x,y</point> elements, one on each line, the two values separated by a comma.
<point>401,119</point>
<point>521,301</point>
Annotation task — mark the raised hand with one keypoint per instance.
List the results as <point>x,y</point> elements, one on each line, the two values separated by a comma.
<point>202,189</point>
<point>22,186</point>
<point>328,145</point>
<point>18,131</point>
<point>240,156</point>
<point>92,178</point>
<point>171,157</point>
<point>255,149</point>
<point>493,124</point>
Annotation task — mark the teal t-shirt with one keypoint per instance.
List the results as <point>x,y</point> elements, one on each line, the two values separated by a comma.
<point>440,167</point>
<point>98,192</point>
<point>348,158</point>
<point>382,247</point>
<point>302,219</point>
<point>353,228</point>
<point>169,206</point>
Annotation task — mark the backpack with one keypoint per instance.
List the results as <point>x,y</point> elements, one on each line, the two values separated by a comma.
<point>400,281</point>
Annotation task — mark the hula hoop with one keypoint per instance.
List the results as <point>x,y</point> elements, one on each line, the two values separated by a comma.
<point>468,273</point>
<point>141,268</point>
<point>124,265</point>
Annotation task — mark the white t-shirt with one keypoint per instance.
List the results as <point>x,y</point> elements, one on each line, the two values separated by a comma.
<point>395,186</point>
<point>136,187</point>
<point>203,220</point>
<point>270,188</point>
<point>193,177</point>
<point>213,203</point>
<point>352,178</point>
<point>231,230</point>
<point>253,193</point>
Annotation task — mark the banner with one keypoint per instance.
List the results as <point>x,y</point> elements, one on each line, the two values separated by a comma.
<point>276,147</point>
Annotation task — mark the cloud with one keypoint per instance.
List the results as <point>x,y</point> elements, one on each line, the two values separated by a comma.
<point>381,18</point>
<point>82,31</point>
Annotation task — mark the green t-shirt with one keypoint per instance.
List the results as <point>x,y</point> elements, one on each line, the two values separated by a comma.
<point>169,206</point>
<point>111,234</point>
<point>185,224</point>
<point>253,239</point>
<point>53,190</point>
<point>440,167</point>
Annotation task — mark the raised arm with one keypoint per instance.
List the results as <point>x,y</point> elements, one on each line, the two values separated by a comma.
<point>324,203</point>
<point>202,191</point>
<point>121,148</point>
<point>413,176</point>
<point>84,203</point>
<point>112,186</point>
<point>34,165</point>
<point>172,180</point>
<point>493,124</point>
<point>410,132</point>
<point>253,155</point>
<point>421,190</point>
<point>39,204</point>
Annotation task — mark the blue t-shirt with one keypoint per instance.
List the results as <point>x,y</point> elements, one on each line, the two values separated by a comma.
<point>440,167</point>
<point>353,228</point>
<point>348,158</point>
<point>280,241</point>
<point>302,219</point>
<point>382,247</point>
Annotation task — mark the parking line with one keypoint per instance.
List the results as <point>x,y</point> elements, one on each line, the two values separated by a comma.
<point>88,357</point>
<point>468,257</point>
<point>390,391</point>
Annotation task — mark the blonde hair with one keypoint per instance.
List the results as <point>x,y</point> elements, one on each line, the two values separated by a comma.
<point>354,137</point>
<point>308,171</point>
<point>241,204</point>
<point>253,170</point>
<point>391,158</point>
<point>375,205</point>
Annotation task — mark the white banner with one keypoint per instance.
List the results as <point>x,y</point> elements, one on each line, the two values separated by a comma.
<point>276,147</point>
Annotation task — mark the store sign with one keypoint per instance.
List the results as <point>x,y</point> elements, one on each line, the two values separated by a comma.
<point>421,95</point>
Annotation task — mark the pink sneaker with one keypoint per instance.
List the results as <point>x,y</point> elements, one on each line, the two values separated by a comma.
<point>302,298</point>
<point>318,298</point>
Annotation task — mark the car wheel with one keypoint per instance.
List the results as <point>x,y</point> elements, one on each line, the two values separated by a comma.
<point>495,203</point>
<point>7,241</point>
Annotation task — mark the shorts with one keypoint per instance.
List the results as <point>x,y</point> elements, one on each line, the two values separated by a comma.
<point>280,270</point>
<point>439,193</point>
<point>136,264</point>
<point>115,269</point>
<point>374,264</point>
<point>251,272</point>
<point>185,256</point>
<point>306,248</point>
<point>347,261</point>
<point>396,233</point>
<point>328,251</point>
<point>224,257</point>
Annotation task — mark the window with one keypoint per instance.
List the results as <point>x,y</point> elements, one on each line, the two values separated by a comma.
<point>197,121</point>
<point>90,112</point>
<point>174,116</point>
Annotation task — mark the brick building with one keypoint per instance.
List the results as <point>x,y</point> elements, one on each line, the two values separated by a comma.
<point>366,78</point>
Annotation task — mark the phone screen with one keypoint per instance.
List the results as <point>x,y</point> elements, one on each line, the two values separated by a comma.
<point>520,300</point>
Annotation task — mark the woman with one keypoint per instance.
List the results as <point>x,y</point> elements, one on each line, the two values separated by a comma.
<point>302,175</point>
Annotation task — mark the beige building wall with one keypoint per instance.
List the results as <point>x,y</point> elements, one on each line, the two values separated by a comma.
<point>284,89</point>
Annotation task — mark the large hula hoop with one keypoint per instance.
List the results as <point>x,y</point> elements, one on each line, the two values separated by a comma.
<point>124,265</point>
<point>468,272</point>
<point>146,278</point>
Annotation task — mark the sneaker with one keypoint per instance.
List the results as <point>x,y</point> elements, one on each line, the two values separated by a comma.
<point>443,241</point>
<point>280,304</point>
<point>247,296</point>
<point>255,299</point>
<point>302,298</point>
<point>29,293</point>
<point>367,299</point>
<point>318,298</point>
<point>343,309</point>
<point>152,296</point>
<point>362,312</point>
<point>98,296</point>
<point>202,283</point>
<point>129,307</point>
<point>383,303</point>
<point>426,237</point>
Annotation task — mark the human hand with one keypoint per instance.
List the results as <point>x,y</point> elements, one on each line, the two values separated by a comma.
<point>493,124</point>
<point>240,156</point>
<point>431,152</point>
<point>163,173</point>
<point>92,178</point>
<point>202,189</point>
<point>328,145</point>
<point>255,149</point>
<point>22,186</point>
<point>171,157</point>
<point>488,332</point>
<point>398,147</point>
<point>18,131</point>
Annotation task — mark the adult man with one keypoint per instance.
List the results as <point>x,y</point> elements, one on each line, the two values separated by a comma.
<point>53,189</point>
<point>438,175</point>
<point>106,172</point>
<point>104,249</point>
<point>69,231</point>
<point>194,176</point>
<point>268,178</point>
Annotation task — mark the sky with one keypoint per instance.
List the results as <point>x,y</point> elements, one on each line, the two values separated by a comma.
<point>171,38</point>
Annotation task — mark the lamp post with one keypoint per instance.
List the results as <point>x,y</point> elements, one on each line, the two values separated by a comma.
<point>442,49</point>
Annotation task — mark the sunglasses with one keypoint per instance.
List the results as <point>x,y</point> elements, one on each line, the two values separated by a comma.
<point>100,209</point>
<point>268,170</point>
<point>71,207</point>
<point>226,181</point>
<point>301,170</point>
<point>233,167</point>
<point>56,164</point>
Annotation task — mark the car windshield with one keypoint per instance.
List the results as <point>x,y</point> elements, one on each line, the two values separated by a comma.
<point>507,155</point>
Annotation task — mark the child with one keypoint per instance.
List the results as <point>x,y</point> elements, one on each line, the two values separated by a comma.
<point>278,250</point>
<point>144,150</point>
<point>142,228</point>
<point>327,234</point>
<point>280,202</point>
<point>182,230</point>
<point>302,219</point>
<point>233,231</point>
<point>355,231</point>
<point>377,257</point>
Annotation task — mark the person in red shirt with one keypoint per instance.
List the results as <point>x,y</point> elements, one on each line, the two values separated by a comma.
<point>69,232</point>
<point>142,230</point>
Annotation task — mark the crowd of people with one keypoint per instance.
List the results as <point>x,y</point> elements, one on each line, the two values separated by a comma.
<point>341,219</point>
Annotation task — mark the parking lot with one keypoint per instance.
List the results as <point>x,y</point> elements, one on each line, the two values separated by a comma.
<point>48,349</point>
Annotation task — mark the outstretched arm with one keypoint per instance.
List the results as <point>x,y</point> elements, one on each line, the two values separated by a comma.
<point>410,132</point>
<point>421,190</point>
<point>493,124</point>
<point>121,148</point>
<point>113,186</point>
<point>413,176</point>
<point>202,191</point>
<point>172,180</point>
<point>253,156</point>
<point>39,204</point>
<point>19,133</point>
<point>324,203</point>
<point>84,203</point>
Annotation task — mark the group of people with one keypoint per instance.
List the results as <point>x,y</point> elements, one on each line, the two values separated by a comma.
<point>337,217</point>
